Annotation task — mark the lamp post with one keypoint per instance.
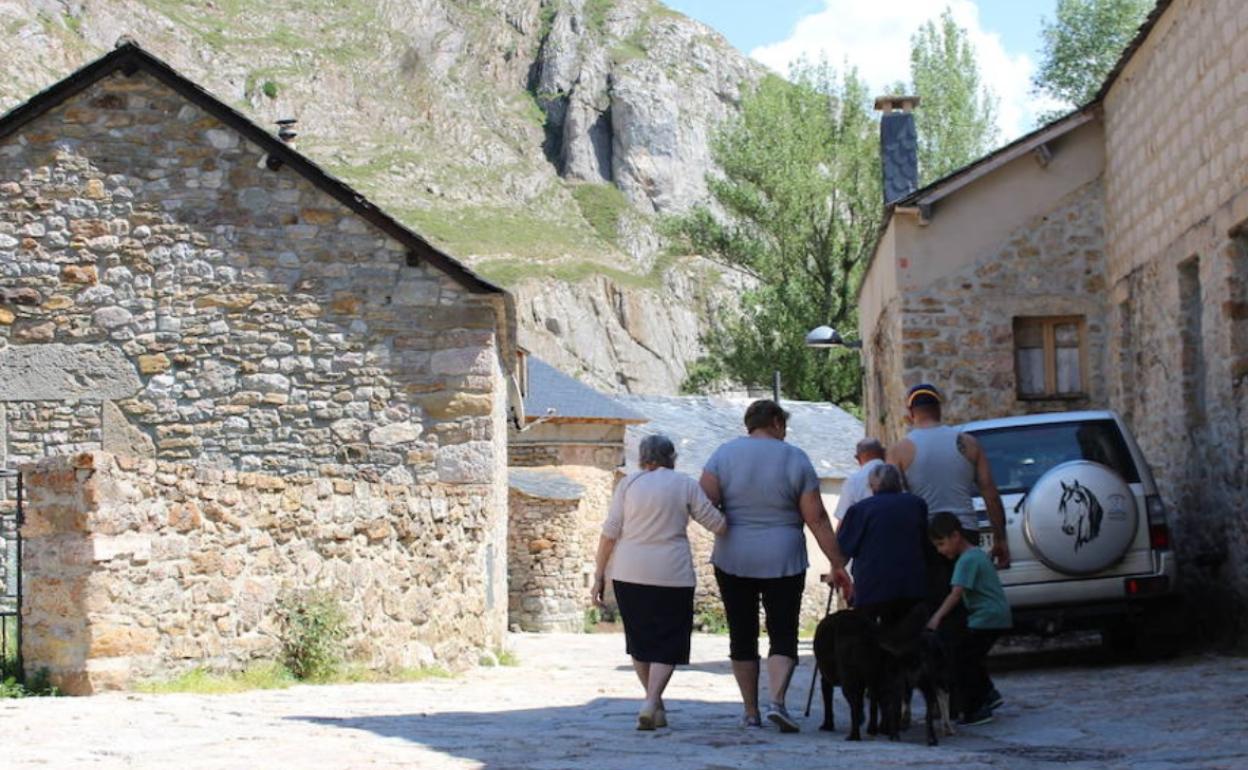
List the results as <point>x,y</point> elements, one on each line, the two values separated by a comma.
<point>827,337</point>
<point>818,337</point>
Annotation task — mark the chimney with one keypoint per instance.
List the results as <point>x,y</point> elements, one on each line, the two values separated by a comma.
<point>899,150</point>
<point>286,130</point>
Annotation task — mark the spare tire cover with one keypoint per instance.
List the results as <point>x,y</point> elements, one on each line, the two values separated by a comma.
<point>1080,518</point>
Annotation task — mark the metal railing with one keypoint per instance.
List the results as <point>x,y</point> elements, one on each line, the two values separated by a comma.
<point>11,598</point>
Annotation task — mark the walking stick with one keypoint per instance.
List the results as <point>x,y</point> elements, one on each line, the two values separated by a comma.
<point>814,675</point>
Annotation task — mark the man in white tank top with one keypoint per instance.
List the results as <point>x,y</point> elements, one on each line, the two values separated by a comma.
<point>946,467</point>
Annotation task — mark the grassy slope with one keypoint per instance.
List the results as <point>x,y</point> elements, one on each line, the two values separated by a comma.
<point>539,225</point>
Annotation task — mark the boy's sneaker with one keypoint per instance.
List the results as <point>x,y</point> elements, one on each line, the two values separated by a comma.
<point>981,717</point>
<point>994,700</point>
<point>778,715</point>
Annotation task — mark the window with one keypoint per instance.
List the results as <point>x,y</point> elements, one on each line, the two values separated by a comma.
<point>1020,455</point>
<point>1050,357</point>
<point>1192,337</point>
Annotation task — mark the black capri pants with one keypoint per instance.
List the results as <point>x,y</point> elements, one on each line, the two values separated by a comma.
<point>782,605</point>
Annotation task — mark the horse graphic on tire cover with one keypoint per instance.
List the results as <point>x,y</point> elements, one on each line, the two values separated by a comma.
<point>1079,518</point>
<point>1081,513</point>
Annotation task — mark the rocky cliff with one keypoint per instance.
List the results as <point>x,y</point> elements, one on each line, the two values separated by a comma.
<point>538,140</point>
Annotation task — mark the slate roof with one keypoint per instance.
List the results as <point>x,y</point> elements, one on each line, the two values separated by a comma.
<point>571,400</point>
<point>129,58</point>
<point>547,485</point>
<point>699,424</point>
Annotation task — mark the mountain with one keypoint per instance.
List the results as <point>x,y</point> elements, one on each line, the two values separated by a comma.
<point>540,141</point>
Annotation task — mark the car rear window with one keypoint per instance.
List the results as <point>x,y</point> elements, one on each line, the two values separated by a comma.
<point>1021,455</point>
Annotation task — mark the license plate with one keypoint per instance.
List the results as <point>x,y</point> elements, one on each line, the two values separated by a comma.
<point>985,540</point>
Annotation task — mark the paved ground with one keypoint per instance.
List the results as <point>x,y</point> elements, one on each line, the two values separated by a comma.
<point>571,704</point>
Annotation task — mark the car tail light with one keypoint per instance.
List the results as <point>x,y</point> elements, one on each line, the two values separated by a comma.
<point>1147,586</point>
<point>1158,529</point>
<point>1159,537</point>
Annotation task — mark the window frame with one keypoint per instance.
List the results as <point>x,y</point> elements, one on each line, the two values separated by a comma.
<point>1048,325</point>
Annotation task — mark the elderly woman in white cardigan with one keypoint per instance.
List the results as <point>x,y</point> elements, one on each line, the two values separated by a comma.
<point>644,549</point>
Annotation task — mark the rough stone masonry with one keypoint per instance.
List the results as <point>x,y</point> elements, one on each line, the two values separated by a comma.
<point>172,300</point>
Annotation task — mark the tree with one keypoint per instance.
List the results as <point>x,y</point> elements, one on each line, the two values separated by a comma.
<point>1082,44</point>
<point>956,120</point>
<point>798,206</point>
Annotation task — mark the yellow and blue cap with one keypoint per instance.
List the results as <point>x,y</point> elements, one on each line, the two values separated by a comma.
<point>923,394</point>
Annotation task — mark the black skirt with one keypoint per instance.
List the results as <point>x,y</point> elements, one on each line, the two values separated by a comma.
<point>658,621</point>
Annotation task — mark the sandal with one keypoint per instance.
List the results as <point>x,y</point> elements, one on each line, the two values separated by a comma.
<point>646,719</point>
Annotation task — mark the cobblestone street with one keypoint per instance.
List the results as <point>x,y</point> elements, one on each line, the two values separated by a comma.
<point>571,704</point>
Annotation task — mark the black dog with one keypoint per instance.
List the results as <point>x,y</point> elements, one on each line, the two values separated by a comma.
<point>848,654</point>
<point>914,656</point>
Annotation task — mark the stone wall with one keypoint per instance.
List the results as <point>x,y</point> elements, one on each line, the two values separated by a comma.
<point>169,297</point>
<point>958,333</point>
<point>884,381</point>
<point>591,443</point>
<point>233,315</point>
<point>556,516</point>
<point>140,568</point>
<point>1177,205</point>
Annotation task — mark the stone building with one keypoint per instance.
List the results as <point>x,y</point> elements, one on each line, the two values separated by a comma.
<point>990,283</point>
<point>229,376</point>
<point>555,515</point>
<point>1101,261</point>
<point>697,425</point>
<point>563,467</point>
<point>565,421</point>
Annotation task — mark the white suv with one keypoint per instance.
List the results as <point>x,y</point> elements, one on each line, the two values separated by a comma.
<point>1088,534</point>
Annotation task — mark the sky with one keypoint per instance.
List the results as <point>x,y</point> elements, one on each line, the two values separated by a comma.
<point>874,35</point>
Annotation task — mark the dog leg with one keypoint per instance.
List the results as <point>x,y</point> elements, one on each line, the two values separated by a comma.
<point>829,720</point>
<point>873,722</point>
<point>853,696</point>
<point>946,719</point>
<point>932,708</point>
<point>892,706</point>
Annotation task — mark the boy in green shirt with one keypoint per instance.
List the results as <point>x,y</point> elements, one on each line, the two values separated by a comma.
<point>976,584</point>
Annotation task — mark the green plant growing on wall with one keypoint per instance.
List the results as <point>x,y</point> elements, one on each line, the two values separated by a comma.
<point>592,619</point>
<point>37,686</point>
<point>269,89</point>
<point>314,627</point>
<point>711,620</point>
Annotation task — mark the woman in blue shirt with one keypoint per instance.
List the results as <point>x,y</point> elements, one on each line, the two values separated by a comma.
<point>767,489</point>
<point>885,536</point>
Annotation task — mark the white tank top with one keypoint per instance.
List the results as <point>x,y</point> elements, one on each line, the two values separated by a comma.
<point>942,475</point>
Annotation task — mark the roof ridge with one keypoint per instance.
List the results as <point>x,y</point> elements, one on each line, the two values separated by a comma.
<point>129,57</point>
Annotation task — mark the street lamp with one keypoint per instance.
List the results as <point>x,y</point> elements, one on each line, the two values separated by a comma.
<point>827,337</point>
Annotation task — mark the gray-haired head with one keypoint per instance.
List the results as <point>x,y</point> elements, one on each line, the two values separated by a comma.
<point>884,478</point>
<point>657,450</point>
<point>868,449</point>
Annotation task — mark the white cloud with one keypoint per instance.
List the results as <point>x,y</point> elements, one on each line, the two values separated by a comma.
<point>875,37</point>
